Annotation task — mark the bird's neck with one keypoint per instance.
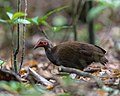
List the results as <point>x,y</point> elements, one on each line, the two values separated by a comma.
<point>48,49</point>
<point>49,53</point>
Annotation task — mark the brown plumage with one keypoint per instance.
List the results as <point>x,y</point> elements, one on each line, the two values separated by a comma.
<point>73,54</point>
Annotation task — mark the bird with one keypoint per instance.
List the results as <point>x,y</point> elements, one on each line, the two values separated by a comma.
<point>72,54</point>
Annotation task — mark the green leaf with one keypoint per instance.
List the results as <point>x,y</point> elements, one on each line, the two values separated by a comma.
<point>15,85</point>
<point>21,21</point>
<point>65,94</point>
<point>55,10</point>
<point>17,15</point>
<point>9,21</point>
<point>3,21</point>
<point>35,20</point>
<point>95,11</point>
<point>42,19</point>
<point>4,85</point>
<point>44,23</point>
<point>9,15</point>
<point>1,62</point>
<point>50,13</point>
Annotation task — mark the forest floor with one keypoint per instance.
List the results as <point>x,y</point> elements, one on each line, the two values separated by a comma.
<point>40,77</point>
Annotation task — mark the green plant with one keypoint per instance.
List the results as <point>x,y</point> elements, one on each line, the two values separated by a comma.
<point>21,89</point>
<point>5,6</point>
<point>1,63</point>
<point>102,6</point>
<point>42,20</point>
<point>17,18</point>
<point>13,19</point>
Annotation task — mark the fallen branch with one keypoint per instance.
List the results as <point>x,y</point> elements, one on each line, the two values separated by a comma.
<point>85,74</point>
<point>9,76</point>
<point>82,73</point>
<point>39,78</point>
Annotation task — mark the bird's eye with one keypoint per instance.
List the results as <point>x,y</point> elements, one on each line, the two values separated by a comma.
<point>40,42</point>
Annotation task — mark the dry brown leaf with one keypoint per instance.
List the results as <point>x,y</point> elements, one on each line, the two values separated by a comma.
<point>116,73</point>
<point>101,92</point>
<point>31,63</point>
<point>50,87</point>
<point>23,71</point>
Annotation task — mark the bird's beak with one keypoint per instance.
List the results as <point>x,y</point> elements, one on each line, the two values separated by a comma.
<point>35,47</point>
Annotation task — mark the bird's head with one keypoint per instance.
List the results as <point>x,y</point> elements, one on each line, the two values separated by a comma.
<point>42,43</point>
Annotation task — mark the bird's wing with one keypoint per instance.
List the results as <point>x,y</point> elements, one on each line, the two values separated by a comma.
<point>100,49</point>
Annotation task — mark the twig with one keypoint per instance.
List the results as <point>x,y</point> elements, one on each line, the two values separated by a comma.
<point>9,76</point>
<point>23,36</point>
<point>81,73</point>
<point>98,81</point>
<point>12,43</point>
<point>39,78</point>
<point>43,32</point>
<point>16,51</point>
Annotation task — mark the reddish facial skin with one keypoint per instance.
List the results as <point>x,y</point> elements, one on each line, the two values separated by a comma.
<point>41,43</point>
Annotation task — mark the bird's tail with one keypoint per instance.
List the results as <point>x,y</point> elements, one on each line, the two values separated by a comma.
<point>103,60</point>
